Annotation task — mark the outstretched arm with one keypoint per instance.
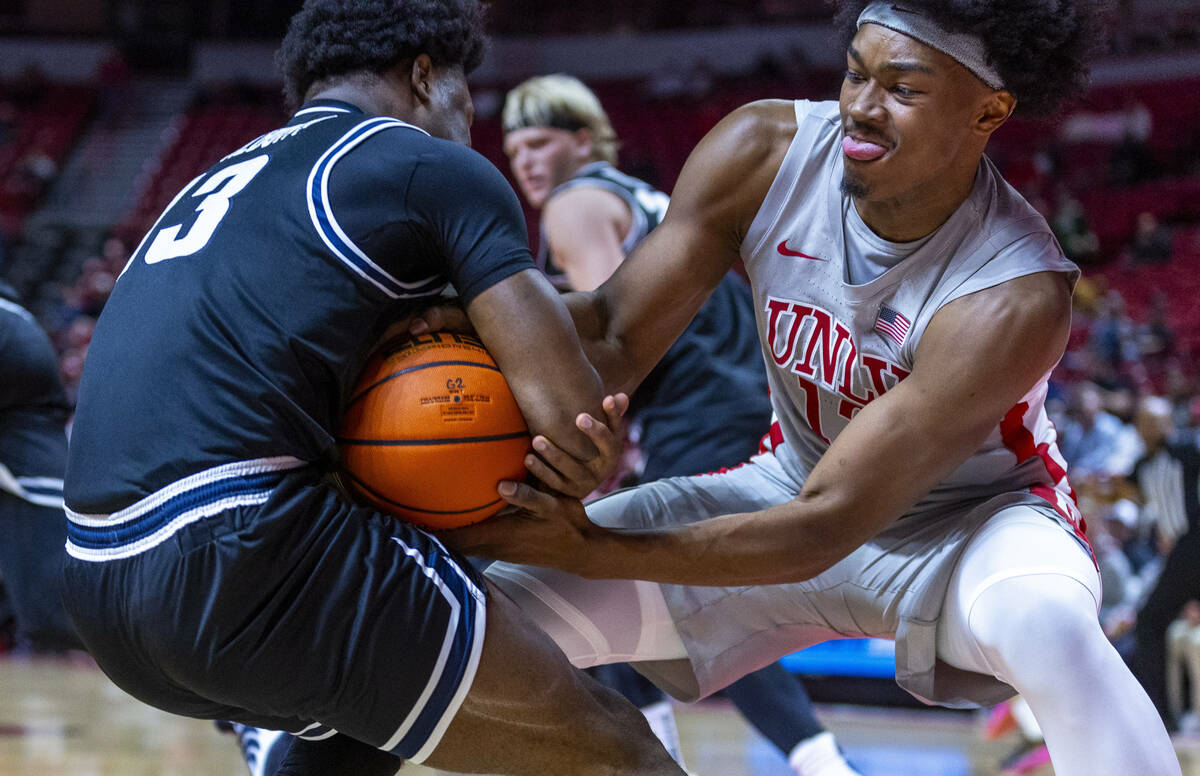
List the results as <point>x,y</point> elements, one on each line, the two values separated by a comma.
<point>894,451</point>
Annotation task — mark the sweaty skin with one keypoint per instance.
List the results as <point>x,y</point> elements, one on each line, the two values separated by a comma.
<point>934,120</point>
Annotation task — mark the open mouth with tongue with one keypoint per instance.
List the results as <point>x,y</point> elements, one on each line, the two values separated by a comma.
<point>862,150</point>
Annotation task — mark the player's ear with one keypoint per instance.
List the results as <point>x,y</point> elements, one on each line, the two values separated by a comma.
<point>997,106</point>
<point>420,78</point>
<point>585,142</point>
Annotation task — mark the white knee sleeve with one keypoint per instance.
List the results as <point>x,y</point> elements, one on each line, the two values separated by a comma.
<point>594,622</point>
<point>1016,543</point>
<point>1022,607</point>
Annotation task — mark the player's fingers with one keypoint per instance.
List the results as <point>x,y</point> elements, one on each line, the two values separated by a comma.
<point>608,444</point>
<point>400,329</point>
<point>522,495</point>
<point>544,473</point>
<point>441,318</point>
<point>572,477</point>
<point>615,406</point>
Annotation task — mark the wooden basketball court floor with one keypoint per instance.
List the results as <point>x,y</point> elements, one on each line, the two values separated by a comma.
<point>60,718</point>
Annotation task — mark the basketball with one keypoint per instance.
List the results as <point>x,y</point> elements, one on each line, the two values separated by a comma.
<point>430,430</point>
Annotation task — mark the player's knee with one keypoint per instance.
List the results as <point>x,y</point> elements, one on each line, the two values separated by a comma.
<point>1044,615</point>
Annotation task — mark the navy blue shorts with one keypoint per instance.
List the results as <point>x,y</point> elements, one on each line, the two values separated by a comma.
<point>254,592</point>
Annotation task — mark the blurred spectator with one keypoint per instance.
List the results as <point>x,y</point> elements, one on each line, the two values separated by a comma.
<point>1109,537</point>
<point>1113,338</point>
<point>1180,390</point>
<point>1074,232</point>
<point>1156,337</point>
<point>1167,478</point>
<point>1094,442</point>
<point>1151,242</point>
<point>36,171</point>
<point>115,254</point>
<point>1183,658</point>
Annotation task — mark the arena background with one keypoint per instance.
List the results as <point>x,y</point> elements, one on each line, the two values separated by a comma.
<point>107,107</point>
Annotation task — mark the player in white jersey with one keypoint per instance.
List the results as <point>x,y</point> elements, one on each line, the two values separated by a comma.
<point>910,306</point>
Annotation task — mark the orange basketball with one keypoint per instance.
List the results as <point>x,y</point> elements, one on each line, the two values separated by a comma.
<point>431,429</point>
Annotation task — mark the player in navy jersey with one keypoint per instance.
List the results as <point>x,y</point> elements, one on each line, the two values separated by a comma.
<point>703,407</point>
<point>33,452</point>
<point>213,571</point>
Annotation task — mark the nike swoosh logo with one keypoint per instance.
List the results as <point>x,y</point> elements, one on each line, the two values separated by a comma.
<point>786,251</point>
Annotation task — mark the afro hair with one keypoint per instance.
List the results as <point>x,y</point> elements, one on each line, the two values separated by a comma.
<point>328,38</point>
<point>1041,48</point>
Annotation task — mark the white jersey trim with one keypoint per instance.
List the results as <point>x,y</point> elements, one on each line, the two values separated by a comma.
<point>206,477</point>
<point>330,231</point>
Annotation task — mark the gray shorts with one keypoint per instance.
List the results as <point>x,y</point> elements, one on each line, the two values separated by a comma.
<point>891,587</point>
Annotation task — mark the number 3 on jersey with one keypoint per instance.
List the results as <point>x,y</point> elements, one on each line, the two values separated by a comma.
<point>217,191</point>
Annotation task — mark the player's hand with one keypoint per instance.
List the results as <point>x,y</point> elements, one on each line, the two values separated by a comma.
<point>570,476</point>
<point>441,317</point>
<point>445,316</point>
<point>540,529</point>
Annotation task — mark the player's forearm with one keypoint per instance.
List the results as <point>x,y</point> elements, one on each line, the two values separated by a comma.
<point>786,543</point>
<point>603,346</point>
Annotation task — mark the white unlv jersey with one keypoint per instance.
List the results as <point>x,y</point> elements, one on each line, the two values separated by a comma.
<point>831,346</point>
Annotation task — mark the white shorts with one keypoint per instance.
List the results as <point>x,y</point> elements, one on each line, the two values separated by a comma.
<point>894,586</point>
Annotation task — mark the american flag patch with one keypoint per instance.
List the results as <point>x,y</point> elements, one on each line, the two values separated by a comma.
<point>892,324</point>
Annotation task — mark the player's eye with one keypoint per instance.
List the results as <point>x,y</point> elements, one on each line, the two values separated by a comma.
<point>854,77</point>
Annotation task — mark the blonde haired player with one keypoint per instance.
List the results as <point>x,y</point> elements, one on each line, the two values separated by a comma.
<point>703,407</point>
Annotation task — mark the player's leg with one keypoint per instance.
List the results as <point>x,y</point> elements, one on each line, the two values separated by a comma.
<point>776,703</point>
<point>648,699</point>
<point>31,557</point>
<point>1177,584</point>
<point>1176,643</point>
<point>262,750</point>
<point>1190,723</point>
<point>529,712</point>
<point>638,690</point>
<point>1021,606</point>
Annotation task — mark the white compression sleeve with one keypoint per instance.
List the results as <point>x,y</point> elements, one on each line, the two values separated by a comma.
<point>594,622</point>
<point>1022,607</point>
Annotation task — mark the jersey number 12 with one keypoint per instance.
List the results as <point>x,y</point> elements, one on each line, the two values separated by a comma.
<point>221,187</point>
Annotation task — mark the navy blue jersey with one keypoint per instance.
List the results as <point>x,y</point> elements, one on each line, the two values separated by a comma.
<point>236,331</point>
<point>33,408</point>
<point>705,405</point>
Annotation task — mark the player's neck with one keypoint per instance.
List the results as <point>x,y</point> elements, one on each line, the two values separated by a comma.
<point>917,212</point>
<point>370,96</point>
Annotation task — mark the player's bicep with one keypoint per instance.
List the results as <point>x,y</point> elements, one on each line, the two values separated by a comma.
<point>657,291</point>
<point>979,356</point>
<point>525,326</point>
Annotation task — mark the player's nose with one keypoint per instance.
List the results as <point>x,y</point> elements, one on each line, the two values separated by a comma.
<point>866,105</point>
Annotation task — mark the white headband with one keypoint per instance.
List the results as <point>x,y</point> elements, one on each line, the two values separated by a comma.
<point>967,50</point>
